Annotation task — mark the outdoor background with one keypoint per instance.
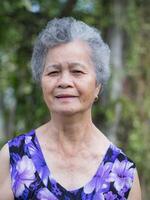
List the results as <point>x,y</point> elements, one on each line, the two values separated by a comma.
<point>122,111</point>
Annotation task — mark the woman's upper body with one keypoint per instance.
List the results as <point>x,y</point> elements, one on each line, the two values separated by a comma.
<point>72,149</point>
<point>41,171</point>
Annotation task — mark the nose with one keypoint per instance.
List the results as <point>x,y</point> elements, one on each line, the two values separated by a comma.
<point>65,80</point>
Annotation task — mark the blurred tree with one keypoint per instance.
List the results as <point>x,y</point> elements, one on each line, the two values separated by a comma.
<point>123,110</point>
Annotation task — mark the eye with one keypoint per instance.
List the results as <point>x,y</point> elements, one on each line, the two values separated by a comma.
<point>77,72</point>
<point>53,73</point>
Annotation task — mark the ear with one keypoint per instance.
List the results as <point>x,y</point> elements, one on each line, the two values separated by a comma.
<point>97,90</point>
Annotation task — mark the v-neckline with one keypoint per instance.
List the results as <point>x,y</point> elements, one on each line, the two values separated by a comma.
<point>54,181</point>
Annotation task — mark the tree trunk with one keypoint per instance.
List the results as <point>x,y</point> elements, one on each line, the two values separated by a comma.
<point>116,44</point>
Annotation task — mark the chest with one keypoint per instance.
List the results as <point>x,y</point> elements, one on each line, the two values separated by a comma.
<point>72,172</point>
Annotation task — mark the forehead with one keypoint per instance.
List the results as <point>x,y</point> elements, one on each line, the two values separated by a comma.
<point>76,51</point>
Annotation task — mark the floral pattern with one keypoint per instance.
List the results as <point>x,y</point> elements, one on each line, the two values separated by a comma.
<point>24,175</point>
<point>121,174</point>
<point>45,194</point>
<point>31,178</point>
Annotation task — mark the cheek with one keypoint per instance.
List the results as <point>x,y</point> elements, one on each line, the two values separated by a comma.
<point>87,92</point>
<point>47,86</point>
<point>46,91</point>
<point>45,96</point>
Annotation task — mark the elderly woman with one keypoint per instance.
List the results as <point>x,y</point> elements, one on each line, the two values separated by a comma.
<point>68,157</point>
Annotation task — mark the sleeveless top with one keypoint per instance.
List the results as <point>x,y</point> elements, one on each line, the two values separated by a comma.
<point>31,179</point>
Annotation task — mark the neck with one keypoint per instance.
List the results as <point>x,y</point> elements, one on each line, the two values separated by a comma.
<point>71,133</point>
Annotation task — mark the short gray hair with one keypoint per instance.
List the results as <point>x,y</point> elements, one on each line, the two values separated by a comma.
<point>64,30</point>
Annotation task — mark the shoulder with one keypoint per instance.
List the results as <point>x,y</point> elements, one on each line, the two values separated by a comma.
<point>135,192</point>
<point>4,153</point>
<point>120,155</point>
<point>122,164</point>
<point>4,158</point>
<point>19,140</point>
<point>5,185</point>
<point>125,167</point>
<point>18,146</point>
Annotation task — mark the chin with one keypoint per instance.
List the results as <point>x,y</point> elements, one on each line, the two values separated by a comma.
<point>67,111</point>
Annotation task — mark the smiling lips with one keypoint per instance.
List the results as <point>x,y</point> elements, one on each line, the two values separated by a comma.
<point>65,96</point>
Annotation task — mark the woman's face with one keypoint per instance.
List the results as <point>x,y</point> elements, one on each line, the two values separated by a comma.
<point>69,80</point>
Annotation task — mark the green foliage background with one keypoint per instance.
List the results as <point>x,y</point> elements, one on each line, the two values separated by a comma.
<point>21,104</point>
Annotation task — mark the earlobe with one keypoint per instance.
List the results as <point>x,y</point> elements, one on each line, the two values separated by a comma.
<point>96,98</point>
<point>98,88</point>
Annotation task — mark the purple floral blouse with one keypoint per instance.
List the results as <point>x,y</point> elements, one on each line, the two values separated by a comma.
<point>31,178</point>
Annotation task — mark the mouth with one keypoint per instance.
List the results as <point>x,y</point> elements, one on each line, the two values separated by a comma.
<point>65,96</point>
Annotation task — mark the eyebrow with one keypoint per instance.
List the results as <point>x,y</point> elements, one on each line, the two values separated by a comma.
<point>78,64</point>
<point>72,64</point>
<point>53,66</point>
